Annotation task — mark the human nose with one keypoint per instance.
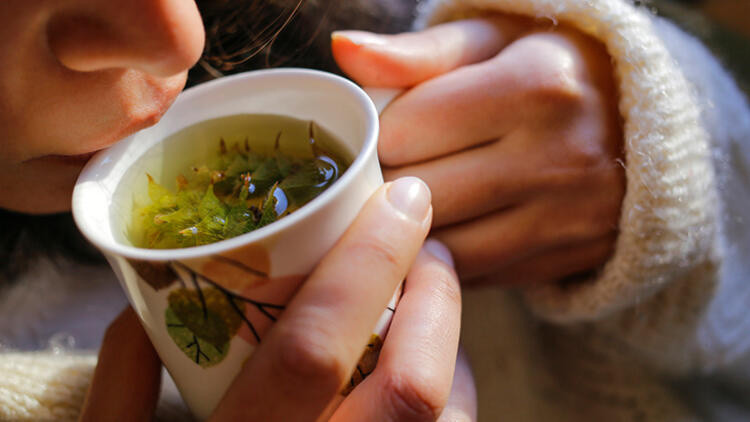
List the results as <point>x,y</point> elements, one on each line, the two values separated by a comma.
<point>159,37</point>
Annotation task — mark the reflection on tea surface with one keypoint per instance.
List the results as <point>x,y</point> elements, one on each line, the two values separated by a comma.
<point>263,167</point>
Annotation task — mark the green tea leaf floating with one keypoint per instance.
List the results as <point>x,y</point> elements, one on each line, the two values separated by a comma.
<point>210,205</point>
<point>269,208</point>
<point>159,194</point>
<point>238,190</point>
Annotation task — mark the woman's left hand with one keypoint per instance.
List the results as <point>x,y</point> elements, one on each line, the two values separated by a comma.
<point>515,128</point>
<point>307,356</point>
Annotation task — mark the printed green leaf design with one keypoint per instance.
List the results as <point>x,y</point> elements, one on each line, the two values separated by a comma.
<point>206,313</point>
<point>198,350</point>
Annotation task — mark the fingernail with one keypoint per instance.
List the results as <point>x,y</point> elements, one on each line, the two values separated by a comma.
<point>411,197</point>
<point>439,251</point>
<point>360,38</point>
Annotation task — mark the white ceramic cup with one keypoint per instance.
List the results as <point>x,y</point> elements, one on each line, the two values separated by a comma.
<point>241,284</point>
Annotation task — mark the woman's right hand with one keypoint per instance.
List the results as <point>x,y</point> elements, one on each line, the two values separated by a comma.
<point>309,354</point>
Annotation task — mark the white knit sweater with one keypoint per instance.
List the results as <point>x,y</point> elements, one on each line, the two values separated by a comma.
<point>662,333</point>
<point>665,322</point>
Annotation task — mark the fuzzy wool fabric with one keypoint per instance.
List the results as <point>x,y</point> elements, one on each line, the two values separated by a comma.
<point>665,321</point>
<point>43,387</point>
<point>52,320</point>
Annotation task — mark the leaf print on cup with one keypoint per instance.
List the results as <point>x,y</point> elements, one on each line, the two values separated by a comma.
<point>206,313</point>
<point>366,364</point>
<point>198,350</point>
<point>223,296</point>
<point>158,275</point>
<point>264,310</point>
<point>235,270</point>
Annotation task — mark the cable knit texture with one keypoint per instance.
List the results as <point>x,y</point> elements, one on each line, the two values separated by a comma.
<point>42,387</point>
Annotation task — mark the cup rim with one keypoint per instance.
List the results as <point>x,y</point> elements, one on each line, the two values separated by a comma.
<point>358,165</point>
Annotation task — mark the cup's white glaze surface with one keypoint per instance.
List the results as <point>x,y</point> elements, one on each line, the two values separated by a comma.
<point>239,285</point>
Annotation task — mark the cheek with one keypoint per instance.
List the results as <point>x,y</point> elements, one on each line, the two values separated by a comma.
<point>136,101</point>
<point>87,113</point>
<point>71,113</point>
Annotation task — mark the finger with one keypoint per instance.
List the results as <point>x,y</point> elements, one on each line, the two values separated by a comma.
<point>405,60</point>
<point>533,83</point>
<point>461,109</point>
<point>490,243</point>
<point>501,174</point>
<point>555,264</point>
<point>127,378</point>
<point>313,348</point>
<point>524,165</point>
<point>413,377</point>
<point>462,403</point>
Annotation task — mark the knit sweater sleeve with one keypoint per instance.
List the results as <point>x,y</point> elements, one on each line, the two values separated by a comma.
<point>686,136</point>
<point>51,387</point>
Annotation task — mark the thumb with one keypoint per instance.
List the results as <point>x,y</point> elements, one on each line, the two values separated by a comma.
<point>405,60</point>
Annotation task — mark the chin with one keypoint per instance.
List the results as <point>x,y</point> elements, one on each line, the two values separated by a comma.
<point>41,186</point>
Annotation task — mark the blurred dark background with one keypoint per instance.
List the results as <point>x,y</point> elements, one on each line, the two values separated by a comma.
<point>241,40</point>
<point>724,25</point>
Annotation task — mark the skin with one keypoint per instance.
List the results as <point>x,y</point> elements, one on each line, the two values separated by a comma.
<point>85,74</point>
<point>515,128</point>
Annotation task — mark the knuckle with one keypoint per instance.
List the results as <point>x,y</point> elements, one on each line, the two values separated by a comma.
<point>587,144</point>
<point>557,88</point>
<point>414,398</point>
<point>307,355</point>
<point>551,75</point>
<point>586,153</point>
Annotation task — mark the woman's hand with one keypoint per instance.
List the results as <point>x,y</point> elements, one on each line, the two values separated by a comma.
<point>515,128</point>
<point>309,354</point>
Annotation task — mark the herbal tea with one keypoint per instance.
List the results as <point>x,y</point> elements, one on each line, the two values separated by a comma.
<point>262,168</point>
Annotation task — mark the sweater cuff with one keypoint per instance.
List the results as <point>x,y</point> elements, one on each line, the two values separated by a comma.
<point>40,386</point>
<point>668,224</point>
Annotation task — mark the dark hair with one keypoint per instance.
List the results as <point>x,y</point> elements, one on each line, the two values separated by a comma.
<point>241,35</point>
<point>24,237</point>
